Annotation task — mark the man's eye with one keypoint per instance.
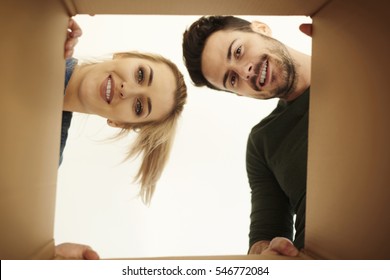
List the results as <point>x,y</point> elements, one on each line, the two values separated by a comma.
<point>233,80</point>
<point>140,75</point>
<point>138,107</point>
<point>238,52</point>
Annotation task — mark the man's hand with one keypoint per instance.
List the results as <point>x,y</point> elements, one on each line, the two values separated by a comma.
<point>73,33</point>
<point>75,251</point>
<point>306,28</point>
<point>277,246</point>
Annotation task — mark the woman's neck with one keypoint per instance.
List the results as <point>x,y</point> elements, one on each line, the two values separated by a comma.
<point>71,99</point>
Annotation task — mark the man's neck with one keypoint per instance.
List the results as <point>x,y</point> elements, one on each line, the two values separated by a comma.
<point>303,69</point>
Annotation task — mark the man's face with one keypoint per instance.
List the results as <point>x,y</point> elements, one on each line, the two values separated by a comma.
<point>249,64</point>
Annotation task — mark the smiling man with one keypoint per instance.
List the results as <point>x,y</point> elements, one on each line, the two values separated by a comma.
<point>231,54</point>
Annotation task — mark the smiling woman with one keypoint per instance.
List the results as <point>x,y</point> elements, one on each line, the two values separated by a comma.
<point>144,93</point>
<point>123,89</point>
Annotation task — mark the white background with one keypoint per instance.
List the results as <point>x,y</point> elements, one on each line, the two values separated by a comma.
<point>202,202</point>
<point>277,269</point>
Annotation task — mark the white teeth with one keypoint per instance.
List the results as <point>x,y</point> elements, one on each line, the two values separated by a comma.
<point>108,89</point>
<point>264,73</point>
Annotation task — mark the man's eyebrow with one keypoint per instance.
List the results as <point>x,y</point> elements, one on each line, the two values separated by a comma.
<point>225,79</point>
<point>229,53</point>
<point>229,57</point>
<point>150,76</point>
<point>149,106</point>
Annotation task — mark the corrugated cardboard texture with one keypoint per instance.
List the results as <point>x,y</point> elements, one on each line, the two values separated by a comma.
<point>348,199</point>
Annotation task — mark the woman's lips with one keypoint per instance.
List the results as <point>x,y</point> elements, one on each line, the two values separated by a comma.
<point>107,89</point>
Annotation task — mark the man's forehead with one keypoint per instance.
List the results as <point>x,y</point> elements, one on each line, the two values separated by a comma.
<point>223,34</point>
<point>218,42</point>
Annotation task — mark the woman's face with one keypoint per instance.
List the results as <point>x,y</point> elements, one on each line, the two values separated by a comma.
<point>128,90</point>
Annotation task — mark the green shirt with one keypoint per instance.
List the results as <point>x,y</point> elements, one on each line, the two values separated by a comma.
<point>276,164</point>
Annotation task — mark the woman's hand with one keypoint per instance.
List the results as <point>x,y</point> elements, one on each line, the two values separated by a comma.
<point>75,251</point>
<point>73,33</point>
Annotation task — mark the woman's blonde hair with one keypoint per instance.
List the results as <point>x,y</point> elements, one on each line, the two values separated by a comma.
<point>154,140</point>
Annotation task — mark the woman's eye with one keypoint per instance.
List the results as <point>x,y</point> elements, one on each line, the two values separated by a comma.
<point>140,75</point>
<point>138,107</point>
<point>233,80</point>
<point>238,52</point>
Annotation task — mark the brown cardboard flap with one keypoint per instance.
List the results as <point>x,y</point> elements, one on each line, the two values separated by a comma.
<point>349,133</point>
<point>43,252</point>
<point>301,256</point>
<point>32,78</point>
<point>199,7</point>
<point>349,152</point>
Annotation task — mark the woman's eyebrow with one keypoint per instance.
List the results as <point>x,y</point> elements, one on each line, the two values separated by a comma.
<point>149,106</point>
<point>150,76</point>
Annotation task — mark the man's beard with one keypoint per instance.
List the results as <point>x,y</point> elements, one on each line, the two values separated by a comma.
<point>283,62</point>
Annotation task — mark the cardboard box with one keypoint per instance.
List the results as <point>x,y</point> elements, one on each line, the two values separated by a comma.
<point>349,131</point>
<point>349,154</point>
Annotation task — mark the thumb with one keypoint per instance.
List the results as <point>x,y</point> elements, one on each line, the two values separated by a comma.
<point>90,254</point>
<point>283,246</point>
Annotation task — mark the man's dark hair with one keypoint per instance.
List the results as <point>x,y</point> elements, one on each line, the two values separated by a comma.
<point>194,40</point>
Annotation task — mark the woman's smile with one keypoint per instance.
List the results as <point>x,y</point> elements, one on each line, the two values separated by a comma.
<point>107,89</point>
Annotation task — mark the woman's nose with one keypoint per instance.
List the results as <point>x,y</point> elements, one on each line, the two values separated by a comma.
<point>122,92</point>
<point>126,91</point>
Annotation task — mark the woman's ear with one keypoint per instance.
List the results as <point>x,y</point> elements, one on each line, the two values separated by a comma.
<point>261,27</point>
<point>113,123</point>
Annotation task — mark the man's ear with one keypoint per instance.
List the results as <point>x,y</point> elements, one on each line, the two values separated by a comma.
<point>261,27</point>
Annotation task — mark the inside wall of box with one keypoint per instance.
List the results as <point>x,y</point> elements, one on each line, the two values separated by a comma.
<point>343,175</point>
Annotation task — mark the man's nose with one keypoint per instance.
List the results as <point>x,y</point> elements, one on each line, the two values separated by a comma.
<point>246,71</point>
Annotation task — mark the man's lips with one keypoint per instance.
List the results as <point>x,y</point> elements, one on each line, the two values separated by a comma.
<point>107,89</point>
<point>263,75</point>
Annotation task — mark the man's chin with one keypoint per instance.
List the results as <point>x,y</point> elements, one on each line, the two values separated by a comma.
<point>263,95</point>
